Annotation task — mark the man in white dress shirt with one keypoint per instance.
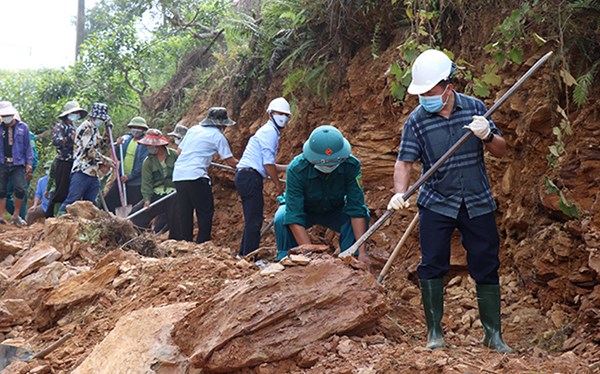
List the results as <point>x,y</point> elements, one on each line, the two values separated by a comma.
<point>256,164</point>
<point>193,185</point>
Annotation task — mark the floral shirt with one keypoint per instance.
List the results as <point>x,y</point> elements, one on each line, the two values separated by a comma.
<point>88,144</point>
<point>63,138</point>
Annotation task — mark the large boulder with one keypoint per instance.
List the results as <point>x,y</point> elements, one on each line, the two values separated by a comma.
<point>269,318</point>
<point>140,343</point>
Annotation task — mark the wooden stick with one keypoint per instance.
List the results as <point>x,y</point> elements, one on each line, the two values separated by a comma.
<point>394,254</point>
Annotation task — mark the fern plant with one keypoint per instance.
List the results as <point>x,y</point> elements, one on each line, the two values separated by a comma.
<point>584,84</point>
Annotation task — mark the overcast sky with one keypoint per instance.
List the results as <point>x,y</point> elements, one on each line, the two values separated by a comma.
<point>38,33</point>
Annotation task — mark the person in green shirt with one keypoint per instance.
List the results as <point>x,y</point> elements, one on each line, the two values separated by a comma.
<point>323,187</point>
<point>157,182</point>
<point>130,172</point>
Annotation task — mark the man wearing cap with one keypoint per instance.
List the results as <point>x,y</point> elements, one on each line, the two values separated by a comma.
<point>63,138</point>
<point>16,159</point>
<point>178,133</point>
<point>323,187</point>
<point>131,167</point>
<point>85,184</point>
<point>40,201</point>
<point>256,164</point>
<point>457,196</point>
<point>194,191</point>
<point>157,182</point>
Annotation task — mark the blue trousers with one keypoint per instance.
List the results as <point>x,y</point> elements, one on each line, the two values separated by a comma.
<point>81,187</point>
<point>249,184</point>
<point>479,237</point>
<point>337,221</point>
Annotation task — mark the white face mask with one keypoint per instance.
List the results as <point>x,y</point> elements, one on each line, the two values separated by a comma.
<point>280,119</point>
<point>326,168</point>
<point>73,117</point>
<point>7,119</point>
<point>176,140</point>
<point>136,133</point>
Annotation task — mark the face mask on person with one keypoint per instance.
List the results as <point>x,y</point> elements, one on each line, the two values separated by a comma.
<point>98,122</point>
<point>433,104</point>
<point>152,150</point>
<point>136,133</point>
<point>7,119</point>
<point>73,117</point>
<point>280,119</point>
<point>177,140</point>
<point>327,168</point>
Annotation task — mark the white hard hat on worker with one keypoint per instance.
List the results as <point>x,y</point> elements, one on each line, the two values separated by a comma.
<point>279,111</point>
<point>429,69</point>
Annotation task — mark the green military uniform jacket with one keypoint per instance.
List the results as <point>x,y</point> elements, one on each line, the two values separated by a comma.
<point>309,191</point>
<point>153,176</point>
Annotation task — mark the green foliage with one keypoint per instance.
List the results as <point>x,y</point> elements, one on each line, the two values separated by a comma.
<point>584,84</point>
<point>39,96</point>
<point>557,149</point>
<point>511,34</point>
<point>569,209</point>
<point>375,41</point>
<point>310,80</point>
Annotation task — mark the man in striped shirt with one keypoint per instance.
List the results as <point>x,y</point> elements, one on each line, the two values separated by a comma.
<point>457,196</point>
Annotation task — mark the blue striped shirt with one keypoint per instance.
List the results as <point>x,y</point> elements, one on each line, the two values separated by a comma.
<point>462,178</point>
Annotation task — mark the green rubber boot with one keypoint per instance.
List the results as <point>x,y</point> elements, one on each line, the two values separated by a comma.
<point>432,292</point>
<point>488,298</point>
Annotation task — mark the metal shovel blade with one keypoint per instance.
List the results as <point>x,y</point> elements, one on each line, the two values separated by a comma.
<point>10,353</point>
<point>123,211</point>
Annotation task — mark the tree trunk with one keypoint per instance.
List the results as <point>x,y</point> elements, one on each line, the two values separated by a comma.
<point>80,26</point>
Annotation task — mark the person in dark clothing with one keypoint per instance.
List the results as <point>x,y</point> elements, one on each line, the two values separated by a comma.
<point>16,159</point>
<point>63,138</point>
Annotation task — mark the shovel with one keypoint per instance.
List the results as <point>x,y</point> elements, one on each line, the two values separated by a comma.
<point>226,167</point>
<point>151,205</point>
<point>124,210</point>
<point>11,353</point>
<point>388,213</point>
<point>113,153</point>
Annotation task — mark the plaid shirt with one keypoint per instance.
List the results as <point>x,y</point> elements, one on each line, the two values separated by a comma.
<point>462,178</point>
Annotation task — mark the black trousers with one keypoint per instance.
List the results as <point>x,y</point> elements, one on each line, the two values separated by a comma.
<point>249,184</point>
<point>113,200</point>
<point>479,237</point>
<point>62,181</point>
<point>195,195</point>
<point>167,208</point>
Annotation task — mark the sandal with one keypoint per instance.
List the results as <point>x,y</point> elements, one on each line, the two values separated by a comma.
<point>18,221</point>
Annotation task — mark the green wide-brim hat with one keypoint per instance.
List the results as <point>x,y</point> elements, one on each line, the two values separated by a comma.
<point>138,122</point>
<point>326,145</point>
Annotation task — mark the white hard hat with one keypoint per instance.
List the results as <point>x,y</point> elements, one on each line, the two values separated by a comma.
<point>429,69</point>
<point>279,105</point>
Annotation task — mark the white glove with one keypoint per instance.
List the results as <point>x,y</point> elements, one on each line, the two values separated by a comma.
<point>480,127</point>
<point>397,202</point>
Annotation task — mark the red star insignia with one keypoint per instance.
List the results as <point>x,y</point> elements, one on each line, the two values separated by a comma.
<point>328,151</point>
